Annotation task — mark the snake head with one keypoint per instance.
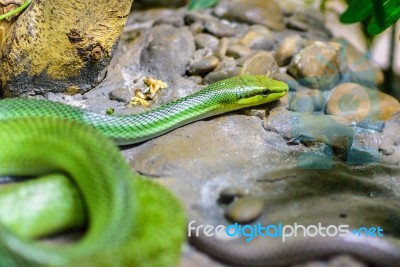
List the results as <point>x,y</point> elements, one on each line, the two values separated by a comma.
<point>256,90</point>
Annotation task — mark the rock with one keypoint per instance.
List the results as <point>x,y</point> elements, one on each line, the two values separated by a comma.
<point>203,66</point>
<point>296,24</point>
<point>196,27</point>
<point>315,20</point>
<point>238,51</point>
<point>388,106</point>
<point>245,210</point>
<point>363,152</point>
<point>44,51</point>
<point>287,7</point>
<point>262,63</point>
<point>307,19</point>
<point>264,12</point>
<point>196,79</point>
<point>148,4</point>
<point>386,151</point>
<point>222,47</point>
<point>307,100</point>
<point>229,194</point>
<point>317,65</point>
<point>301,102</point>
<point>227,68</point>
<point>219,29</point>
<point>357,103</point>
<point>168,48</point>
<point>204,40</point>
<point>121,94</point>
<point>284,77</point>
<point>216,76</point>
<point>211,24</point>
<point>360,69</point>
<point>287,48</point>
<point>318,99</point>
<point>345,261</point>
<point>392,130</point>
<point>258,37</point>
<point>333,131</point>
<point>176,21</point>
<point>197,17</point>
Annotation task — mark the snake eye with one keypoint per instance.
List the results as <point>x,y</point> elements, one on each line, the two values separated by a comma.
<point>266,92</point>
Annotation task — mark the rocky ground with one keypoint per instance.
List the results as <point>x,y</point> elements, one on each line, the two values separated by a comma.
<point>328,152</point>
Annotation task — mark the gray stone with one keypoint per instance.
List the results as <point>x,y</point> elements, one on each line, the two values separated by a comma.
<point>227,68</point>
<point>284,77</point>
<point>196,27</point>
<point>176,21</point>
<point>318,99</point>
<point>211,24</point>
<point>359,68</point>
<point>264,12</point>
<point>198,17</point>
<point>288,8</point>
<point>358,103</point>
<point>333,131</point>
<point>204,40</point>
<point>169,49</point>
<point>318,65</point>
<point>261,63</point>
<point>244,210</point>
<point>196,79</point>
<point>238,51</point>
<point>258,37</point>
<point>121,94</point>
<point>229,194</point>
<point>301,102</point>
<point>219,29</point>
<point>287,48</point>
<point>296,24</point>
<point>204,65</point>
<point>315,21</point>
<point>220,50</point>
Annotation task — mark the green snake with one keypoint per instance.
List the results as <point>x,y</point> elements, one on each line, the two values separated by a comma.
<point>131,221</point>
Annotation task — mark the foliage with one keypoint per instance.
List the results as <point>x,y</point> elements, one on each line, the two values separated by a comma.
<point>378,14</point>
<point>201,4</point>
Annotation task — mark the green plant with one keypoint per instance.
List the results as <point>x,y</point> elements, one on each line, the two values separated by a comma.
<point>378,15</point>
<point>201,4</point>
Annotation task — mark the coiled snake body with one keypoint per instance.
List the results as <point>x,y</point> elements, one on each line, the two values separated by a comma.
<point>131,220</point>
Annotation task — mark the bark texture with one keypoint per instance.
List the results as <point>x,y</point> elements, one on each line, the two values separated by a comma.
<point>59,46</point>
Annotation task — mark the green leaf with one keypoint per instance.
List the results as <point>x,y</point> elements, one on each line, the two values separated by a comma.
<point>391,13</point>
<point>378,14</point>
<point>378,11</point>
<point>357,11</point>
<point>201,4</point>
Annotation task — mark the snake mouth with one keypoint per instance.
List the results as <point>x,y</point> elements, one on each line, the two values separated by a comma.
<point>280,92</point>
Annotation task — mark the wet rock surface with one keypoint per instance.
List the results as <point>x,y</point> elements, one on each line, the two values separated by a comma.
<point>317,65</point>
<point>302,158</point>
<point>264,12</point>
